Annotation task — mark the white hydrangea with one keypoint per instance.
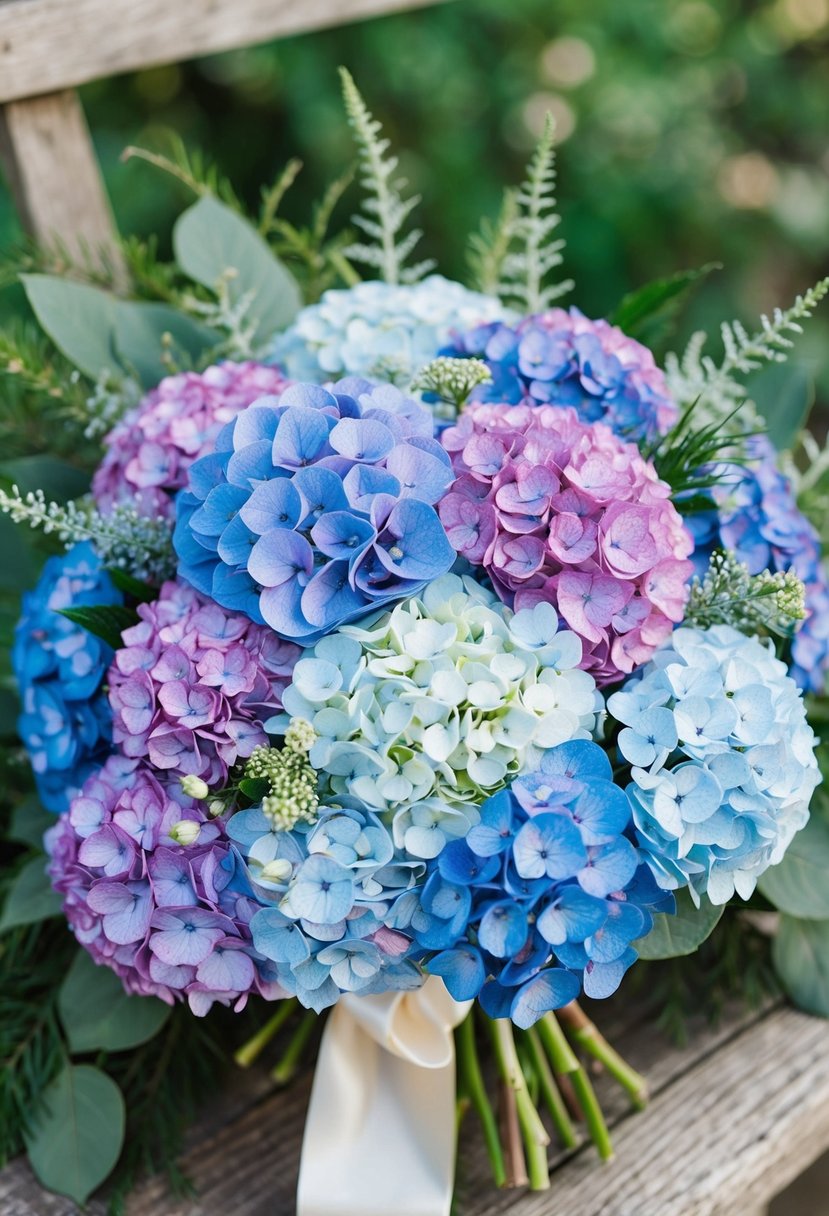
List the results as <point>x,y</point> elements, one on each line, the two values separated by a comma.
<point>424,711</point>
<point>380,329</point>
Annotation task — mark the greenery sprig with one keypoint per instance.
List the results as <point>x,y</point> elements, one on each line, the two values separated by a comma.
<point>764,603</point>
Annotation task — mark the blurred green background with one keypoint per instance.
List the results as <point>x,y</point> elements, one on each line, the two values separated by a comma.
<point>690,131</point>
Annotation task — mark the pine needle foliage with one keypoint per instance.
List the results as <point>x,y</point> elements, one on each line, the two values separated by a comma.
<point>188,166</point>
<point>385,211</point>
<point>690,458</point>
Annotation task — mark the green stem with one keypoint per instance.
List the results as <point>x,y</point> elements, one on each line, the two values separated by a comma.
<point>550,1092</point>
<point>472,1082</point>
<point>533,1131</point>
<point>588,1037</point>
<point>255,1045</point>
<point>287,1066</point>
<point>564,1060</point>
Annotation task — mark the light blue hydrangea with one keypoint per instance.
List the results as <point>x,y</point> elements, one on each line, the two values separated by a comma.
<point>424,711</point>
<point>722,757</point>
<point>380,329</point>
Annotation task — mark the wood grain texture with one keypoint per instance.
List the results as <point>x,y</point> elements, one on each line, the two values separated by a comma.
<point>54,177</point>
<point>737,1114</point>
<point>46,45</point>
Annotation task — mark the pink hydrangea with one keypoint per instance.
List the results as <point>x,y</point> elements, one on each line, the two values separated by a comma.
<point>171,920</point>
<point>193,684</point>
<point>559,510</point>
<point>150,450</point>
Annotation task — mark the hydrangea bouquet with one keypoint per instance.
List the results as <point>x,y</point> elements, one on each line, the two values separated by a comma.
<point>416,639</point>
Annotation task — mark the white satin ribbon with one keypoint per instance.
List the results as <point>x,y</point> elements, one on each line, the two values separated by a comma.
<point>380,1132</point>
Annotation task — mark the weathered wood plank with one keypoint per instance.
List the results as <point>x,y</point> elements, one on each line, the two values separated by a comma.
<point>46,45</point>
<point>54,177</point>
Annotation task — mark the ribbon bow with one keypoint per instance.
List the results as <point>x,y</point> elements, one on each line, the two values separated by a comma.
<point>380,1132</point>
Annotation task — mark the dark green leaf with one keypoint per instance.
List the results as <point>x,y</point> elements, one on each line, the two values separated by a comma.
<point>18,562</point>
<point>141,330</point>
<point>79,319</point>
<point>133,587</point>
<point>106,621</point>
<point>58,480</point>
<point>211,240</point>
<point>657,300</point>
<point>683,933</point>
<point>9,709</point>
<point>801,956</point>
<point>254,788</point>
<point>77,1140</point>
<point>799,885</point>
<point>784,393</point>
<point>98,1015</point>
<point>29,821</point>
<point>31,897</point>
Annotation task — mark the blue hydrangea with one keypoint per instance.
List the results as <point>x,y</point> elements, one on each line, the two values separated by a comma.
<point>542,898</point>
<point>756,516</point>
<point>723,762</point>
<point>65,723</point>
<point>317,507</point>
<point>563,358</point>
<point>380,329</point>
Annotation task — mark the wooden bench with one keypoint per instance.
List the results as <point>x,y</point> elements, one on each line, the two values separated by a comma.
<point>739,1112</point>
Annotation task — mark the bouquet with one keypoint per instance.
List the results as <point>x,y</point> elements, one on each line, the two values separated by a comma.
<point>418,653</point>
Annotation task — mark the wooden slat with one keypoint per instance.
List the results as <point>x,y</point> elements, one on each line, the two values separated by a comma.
<point>47,45</point>
<point>50,165</point>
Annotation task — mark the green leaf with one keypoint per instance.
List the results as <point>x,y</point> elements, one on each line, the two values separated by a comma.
<point>79,319</point>
<point>18,563</point>
<point>798,885</point>
<point>784,393</point>
<point>254,788</point>
<point>59,480</point>
<point>98,1015</point>
<point>31,897</point>
<point>142,592</point>
<point>106,621</point>
<point>29,820</point>
<point>800,953</point>
<point>657,301</point>
<point>140,337</point>
<point>672,936</point>
<point>210,239</point>
<point>77,1139</point>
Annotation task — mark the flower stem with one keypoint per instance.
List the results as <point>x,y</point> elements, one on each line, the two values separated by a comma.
<point>511,1135</point>
<point>588,1037</point>
<point>472,1083</point>
<point>533,1131</point>
<point>255,1045</point>
<point>550,1092</point>
<point>286,1069</point>
<point>564,1060</point>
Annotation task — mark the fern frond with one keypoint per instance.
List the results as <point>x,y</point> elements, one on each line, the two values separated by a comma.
<point>489,246</point>
<point>385,211</point>
<point>533,253</point>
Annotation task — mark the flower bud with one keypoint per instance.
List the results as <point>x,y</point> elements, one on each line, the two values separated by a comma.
<point>186,831</point>
<point>215,808</point>
<point>195,787</point>
<point>278,870</point>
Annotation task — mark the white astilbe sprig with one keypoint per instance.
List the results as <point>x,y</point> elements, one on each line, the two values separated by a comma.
<point>111,399</point>
<point>533,253</point>
<point>122,538</point>
<point>231,317</point>
<point>718,387</point>
<point>386,209</point>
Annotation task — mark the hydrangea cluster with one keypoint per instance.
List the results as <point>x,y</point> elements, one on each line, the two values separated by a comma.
<point>149,452</point>
<point>561,357</point>
<point>334,883</point>
<point>542,898</point>
<point>380,329</point>
<point>422,713</point>
<point>65,724</point>
<point>757,517</point>
<point>317,508</point>
<point>193,683</point>
<point>723,761</point>
<point>171,921</point>
<point>563,511</point>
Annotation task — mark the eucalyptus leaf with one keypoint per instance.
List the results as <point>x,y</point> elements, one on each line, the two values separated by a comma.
<point>800,953</point>
<point>799,885</point>
<point>211,240</point>
<point>141,335</point>
<point>29,820</point>
<point>79,319</point>
<point>784,393</point>
<point>98,1015</point>
<point>77,1139</point>
<point>682,933</point>
<point>105,621</point>
<point>59,480</point>
<point>31,897</point>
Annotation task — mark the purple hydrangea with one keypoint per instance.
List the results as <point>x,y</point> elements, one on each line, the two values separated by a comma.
<point>149,452</point>
<point>317,508</point>
<point>758,519</point>
<point>65,723</point>
<point>561,357</point>
<point>193,684</point>
<point>171,920</point>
